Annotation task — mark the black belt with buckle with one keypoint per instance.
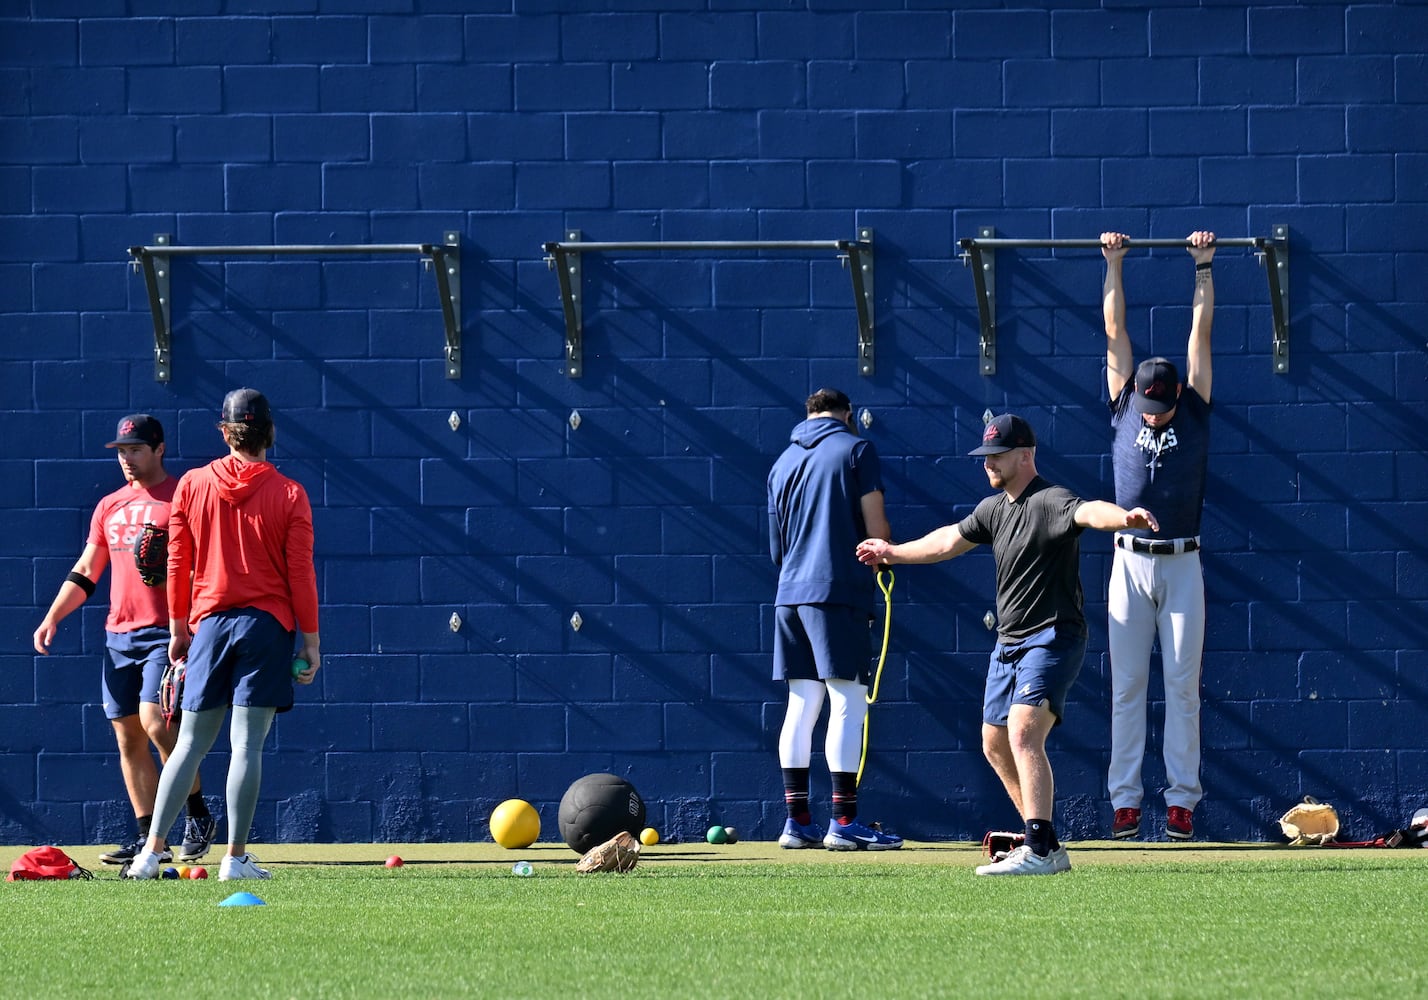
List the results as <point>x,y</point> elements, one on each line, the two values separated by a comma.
<point>1157,546</point>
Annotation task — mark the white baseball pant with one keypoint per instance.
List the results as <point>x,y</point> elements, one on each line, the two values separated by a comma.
<point>1152,594</point>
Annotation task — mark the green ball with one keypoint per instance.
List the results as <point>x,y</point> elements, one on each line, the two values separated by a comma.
<point>717,835</point>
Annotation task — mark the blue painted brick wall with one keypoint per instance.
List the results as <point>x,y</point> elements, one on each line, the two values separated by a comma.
<point>512,126</point>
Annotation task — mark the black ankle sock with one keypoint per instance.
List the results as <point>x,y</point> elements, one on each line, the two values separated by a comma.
<point>145,822</point>
<point>795,794</point>
<point>845,796</point>
<point>197,808</point>
<point>1041,837</point>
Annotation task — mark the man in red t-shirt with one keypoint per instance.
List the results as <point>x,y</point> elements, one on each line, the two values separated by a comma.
<point>136,631</point>
<point>241,580</point>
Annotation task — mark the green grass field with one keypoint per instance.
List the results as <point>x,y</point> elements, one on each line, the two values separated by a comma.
<point>737,921</point>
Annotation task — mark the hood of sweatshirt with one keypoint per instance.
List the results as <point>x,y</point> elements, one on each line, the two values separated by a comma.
<point>810,432</point>
<point>238,481</point>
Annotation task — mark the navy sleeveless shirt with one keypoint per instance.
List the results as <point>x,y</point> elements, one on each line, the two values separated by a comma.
<point>1162,470</point>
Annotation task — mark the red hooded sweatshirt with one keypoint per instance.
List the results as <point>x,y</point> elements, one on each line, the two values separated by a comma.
<point>243,531</point>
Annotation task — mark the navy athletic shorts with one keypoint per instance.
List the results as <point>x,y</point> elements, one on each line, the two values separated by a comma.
<point>133,669</point>
<point>1039,669</point>
<point>821,642</point>
<point>241,656</point>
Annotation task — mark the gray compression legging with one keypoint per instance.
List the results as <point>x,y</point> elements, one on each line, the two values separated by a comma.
<point>197,733</point>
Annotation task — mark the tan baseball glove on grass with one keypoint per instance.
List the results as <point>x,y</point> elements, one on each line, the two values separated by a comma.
<point>618,854</point>
<point>1310,822</point>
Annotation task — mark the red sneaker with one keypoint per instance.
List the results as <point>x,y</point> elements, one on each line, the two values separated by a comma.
<point>1179,824</point>
<point>1126,824</point>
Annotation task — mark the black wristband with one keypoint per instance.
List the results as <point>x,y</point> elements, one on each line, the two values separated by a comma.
<point>83,582</point>
<point>1204,265</point>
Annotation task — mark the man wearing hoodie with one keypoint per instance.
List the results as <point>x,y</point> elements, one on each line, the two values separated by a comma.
<point>241,580</point>
<point>825,496</point>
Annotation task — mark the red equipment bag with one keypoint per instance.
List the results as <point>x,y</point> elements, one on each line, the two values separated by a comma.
<point>45,863</point>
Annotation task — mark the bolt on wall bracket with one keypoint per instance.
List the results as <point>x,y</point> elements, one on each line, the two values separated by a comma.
<point>979,253</point>
<point>563,257</point>
<point>155,263</point>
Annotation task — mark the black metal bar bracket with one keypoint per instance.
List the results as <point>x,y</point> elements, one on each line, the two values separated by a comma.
<point>1274,255</point>
<point>984,282</point>
<point>979,253</point>
<point>155,263</point>
<point>563,257</point>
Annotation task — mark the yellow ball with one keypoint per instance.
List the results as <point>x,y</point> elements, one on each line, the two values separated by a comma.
<point>649,836</point>
<point>515,824</point>
<point>183,871</point>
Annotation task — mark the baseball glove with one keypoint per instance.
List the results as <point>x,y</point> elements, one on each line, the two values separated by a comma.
<point>1310,822</point>
<point>171,691</point>
<point>151,555</point>
<point>618,854</point>
<point>997,844</point>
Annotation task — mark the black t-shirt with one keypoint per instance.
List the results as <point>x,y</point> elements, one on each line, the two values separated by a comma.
<point>1037,545</point>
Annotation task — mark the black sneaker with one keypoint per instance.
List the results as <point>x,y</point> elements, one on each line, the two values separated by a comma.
<point>124,853</point>
<point>197,836</point>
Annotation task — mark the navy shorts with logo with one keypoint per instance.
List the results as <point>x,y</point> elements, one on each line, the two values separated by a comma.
<point>821,642</point>
<point>241,656</point>
<point>1039,669</point>
<point>133,669</point>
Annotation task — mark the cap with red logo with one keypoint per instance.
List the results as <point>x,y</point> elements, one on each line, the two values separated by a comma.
<point>1157,386</point>
<point>138,428</point>
<point>246,406</point>
<point>1005,433</point>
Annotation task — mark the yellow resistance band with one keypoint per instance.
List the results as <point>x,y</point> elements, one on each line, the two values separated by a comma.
<point>872,696</point>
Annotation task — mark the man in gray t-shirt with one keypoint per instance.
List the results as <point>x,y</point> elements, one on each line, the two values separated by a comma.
<point>1159,454</point>
<point>1034,529</point>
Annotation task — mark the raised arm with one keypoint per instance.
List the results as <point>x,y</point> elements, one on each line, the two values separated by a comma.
<point>1202,311</point>
<point>1120,358</point>
<point>944,543</point>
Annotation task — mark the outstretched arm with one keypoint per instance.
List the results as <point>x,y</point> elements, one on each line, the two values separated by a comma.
<point>1120,358</point>
<point>944,543</point>
<point>1106,516</point>
<point>1202,311</point>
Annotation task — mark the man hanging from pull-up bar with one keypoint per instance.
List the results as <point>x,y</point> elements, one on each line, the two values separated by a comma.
<point>1159,453</point>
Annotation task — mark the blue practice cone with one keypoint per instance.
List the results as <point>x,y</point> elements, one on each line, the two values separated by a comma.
<point>242,899</point>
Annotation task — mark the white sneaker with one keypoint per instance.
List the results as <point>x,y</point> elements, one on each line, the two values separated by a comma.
<point>143,865</point>
<point>243,867</point>
<point>1023,862</point>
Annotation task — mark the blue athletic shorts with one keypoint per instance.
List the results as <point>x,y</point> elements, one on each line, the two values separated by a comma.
<point>239,657</point>
<point>821,642</point>
<point>1039,669</point>
<point>133,668</point>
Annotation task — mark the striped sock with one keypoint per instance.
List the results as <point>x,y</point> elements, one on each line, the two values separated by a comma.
<point>795,794</point>
<point>845,796</point>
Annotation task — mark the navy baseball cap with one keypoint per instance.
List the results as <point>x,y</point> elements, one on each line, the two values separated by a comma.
<point>1005,433</point>
<point>246,406</point>
<point>1156,382</point>
<point>138,428</point>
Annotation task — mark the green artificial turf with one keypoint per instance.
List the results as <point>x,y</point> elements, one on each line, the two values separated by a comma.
<point>1340,924</point>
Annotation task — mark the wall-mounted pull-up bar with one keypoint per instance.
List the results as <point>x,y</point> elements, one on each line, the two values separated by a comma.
<point>564,257</point>
<point>979,253</point>
<point>443,258</point>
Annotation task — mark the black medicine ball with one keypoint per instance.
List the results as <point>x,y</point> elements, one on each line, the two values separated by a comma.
<point>598,806</point>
